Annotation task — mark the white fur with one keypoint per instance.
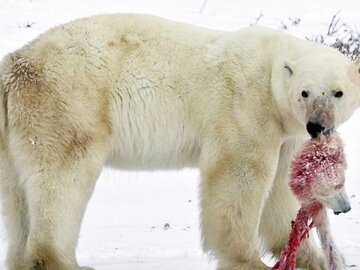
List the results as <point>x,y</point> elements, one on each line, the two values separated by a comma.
<point>139,92</point>
<point>334,259</point>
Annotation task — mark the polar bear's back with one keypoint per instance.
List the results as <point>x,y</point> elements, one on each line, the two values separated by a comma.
<point>108,28</point>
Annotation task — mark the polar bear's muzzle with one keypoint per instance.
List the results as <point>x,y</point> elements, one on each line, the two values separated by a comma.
<point>320,117</point>
<point>314,129</point>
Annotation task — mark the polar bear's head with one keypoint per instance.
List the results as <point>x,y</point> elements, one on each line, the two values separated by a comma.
<point>321,92</point>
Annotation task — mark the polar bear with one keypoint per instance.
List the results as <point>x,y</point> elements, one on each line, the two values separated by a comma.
<point>139,92</point>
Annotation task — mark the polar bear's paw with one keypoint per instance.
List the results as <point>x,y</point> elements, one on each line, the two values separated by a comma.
<point>312,266</point>
<point>41,265</point>
<point>243,266</point>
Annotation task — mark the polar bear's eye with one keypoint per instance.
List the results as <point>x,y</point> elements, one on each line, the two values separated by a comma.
<point>339,94</point>
<point>305,94</point>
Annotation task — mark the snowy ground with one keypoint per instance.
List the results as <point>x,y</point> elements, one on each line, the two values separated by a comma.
<point>124,223</point>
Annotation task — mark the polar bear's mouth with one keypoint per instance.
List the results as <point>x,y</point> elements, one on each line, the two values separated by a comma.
<point>315,129</point>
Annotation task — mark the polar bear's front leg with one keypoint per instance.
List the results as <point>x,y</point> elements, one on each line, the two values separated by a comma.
<point>281,208</point>
<point>233,191</point>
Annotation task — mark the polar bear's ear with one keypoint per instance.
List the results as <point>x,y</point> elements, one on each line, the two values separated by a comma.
<point>357,64</point>
<point>290,66</point>
<point>355,72</point>
<point>286,66</point>
<point>282,75</point>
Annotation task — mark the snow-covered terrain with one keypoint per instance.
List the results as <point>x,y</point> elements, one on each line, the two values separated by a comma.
<point>125,226</point>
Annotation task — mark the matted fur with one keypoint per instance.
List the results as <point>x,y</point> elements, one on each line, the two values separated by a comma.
<point>139,92</point>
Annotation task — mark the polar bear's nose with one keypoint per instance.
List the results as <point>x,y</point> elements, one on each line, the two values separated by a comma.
<point>314,129</point>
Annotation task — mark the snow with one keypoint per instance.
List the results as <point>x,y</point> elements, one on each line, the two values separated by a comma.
<point>124,223</point>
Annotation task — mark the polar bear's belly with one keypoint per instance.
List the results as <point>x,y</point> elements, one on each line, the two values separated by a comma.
<point>151,130</point>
